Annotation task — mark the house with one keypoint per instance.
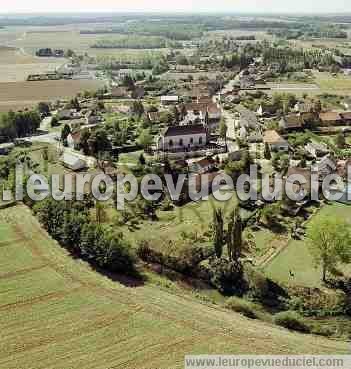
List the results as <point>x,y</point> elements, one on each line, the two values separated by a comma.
<point>154,116</point>
<point>330,118</point>
<point>316,149</point>
<point>291,122</point>
<point>73,162</point>
<point>202,166</point>
<point>199,112</point>
<point>6,148</point>
<point>169,100</point>
<point>198,93</point>
<point>183,138</point>
<point>304,107</point>
<point>275,141</point>
<point>266,110</point>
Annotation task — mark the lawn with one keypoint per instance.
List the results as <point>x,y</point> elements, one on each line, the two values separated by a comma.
<point>297,258</point>
<point>181,228</point>
<point>56,312</point>
<point>263,241</point>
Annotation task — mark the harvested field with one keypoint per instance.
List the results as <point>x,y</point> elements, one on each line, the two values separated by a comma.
<point>72,39</point>
<point>56,312</point>
<point>16,65</point>
<point>25,94</point>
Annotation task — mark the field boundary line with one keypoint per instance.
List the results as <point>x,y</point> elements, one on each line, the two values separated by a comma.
<point>10,241</point>
<point>23,271</point>
<point>35,299</point>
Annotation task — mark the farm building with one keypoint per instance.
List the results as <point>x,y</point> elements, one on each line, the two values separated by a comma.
<point>168,100</point>
<point>291,122</point>
<point>202,166</point>
<point>330,118</point>
<point>73,162</point>
<point>199,111</point>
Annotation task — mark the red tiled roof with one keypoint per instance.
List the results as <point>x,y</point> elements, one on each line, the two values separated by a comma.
<point>330,116</point>
<point>204,162</point>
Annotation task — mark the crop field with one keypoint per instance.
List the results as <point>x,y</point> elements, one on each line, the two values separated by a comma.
<point>80,43</point>
<point>58,313</point>
<point>15,65</point>
<point>297,257</point>
<point>337,85</point>
<point>16,95</point>
<point>341,44</point>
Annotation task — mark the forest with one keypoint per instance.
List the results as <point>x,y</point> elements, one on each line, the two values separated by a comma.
<point>170,31</point>
<point>135,42</point>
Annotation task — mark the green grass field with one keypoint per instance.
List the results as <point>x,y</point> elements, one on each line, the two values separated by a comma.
<point>297,257</point>
<point>57,313</point>
<point>179,229</point>
<point>336,85</point>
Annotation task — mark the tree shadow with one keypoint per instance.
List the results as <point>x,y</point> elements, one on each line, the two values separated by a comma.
<point>132,280</point>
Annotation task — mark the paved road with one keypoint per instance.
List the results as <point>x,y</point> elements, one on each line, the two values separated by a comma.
<point>52,138</point>
<point>229,117</point>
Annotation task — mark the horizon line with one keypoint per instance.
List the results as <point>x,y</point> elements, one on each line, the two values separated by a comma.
<point>170,12</point>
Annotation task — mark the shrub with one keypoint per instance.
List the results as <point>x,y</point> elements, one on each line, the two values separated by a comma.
<point>241,306</point>
<point>227,277</point>
<point>291,320</point>
<point>257,283</point>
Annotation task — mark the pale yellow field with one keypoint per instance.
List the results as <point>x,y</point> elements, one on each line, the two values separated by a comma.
<point>72,39</point>
<point>25,94</point>
<point>16,65</point>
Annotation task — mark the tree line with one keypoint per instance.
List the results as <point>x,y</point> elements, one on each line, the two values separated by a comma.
<point>70,224</point>
<point>135,42</point>
<point>18,124</point>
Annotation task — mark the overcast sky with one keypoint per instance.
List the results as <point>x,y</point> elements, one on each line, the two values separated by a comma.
<point>257,6</point>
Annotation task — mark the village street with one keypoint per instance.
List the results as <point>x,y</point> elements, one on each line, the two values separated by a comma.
<point>229,119</point>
